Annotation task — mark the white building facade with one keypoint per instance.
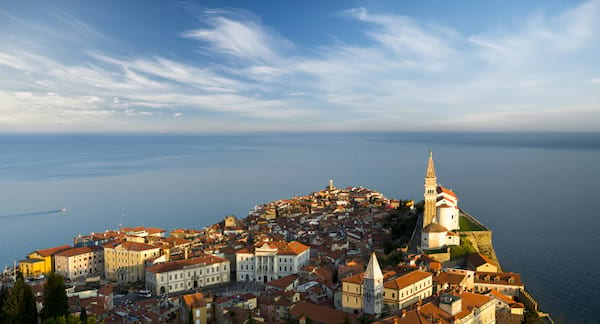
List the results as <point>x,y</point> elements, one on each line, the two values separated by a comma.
<point>271,260</point>
<point>182,275</point>
<point>447,212</point>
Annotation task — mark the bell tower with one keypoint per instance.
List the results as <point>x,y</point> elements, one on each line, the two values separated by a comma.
<point>373,288</point>
<point>430,192</point>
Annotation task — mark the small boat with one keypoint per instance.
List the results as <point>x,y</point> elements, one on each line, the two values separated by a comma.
<point>163,133</point>
<point>63,210</point>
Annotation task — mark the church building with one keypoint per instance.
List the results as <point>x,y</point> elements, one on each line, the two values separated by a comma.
<point>441,214</point>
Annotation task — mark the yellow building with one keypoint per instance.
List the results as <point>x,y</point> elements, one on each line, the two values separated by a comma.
<point>125,261</point>
<point>193,306</point>
<point>352,293</point>
<point>40,262</point>
<point>199,306</point>
<point>32,267</point>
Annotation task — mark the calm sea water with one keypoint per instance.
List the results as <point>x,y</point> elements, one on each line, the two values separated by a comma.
<point>538,192</point>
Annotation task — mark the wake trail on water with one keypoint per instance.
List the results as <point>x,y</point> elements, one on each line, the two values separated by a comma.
<point>47,212</point>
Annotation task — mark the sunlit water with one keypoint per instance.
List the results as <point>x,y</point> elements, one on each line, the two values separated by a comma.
<point>538,192</point>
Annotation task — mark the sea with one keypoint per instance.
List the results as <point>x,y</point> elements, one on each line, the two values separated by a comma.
<point>538,192</point>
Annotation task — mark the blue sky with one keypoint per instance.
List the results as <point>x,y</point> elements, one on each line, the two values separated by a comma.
<point>237,66</point>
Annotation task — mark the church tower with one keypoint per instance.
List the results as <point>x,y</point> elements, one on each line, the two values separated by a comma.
<point>430,192</point>
<point>373,288</point>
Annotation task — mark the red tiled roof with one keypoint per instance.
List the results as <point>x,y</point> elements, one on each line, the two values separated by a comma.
<point>450,278</point>
<point>502,278</point>
<point>194,300</point>
<point>441,189</point>
<point>283,283</point>
<point>180,264</point>
<point>478,259</point>
<point>407,279</point>
<point>320,314</point>
<point>52,251</point>
<point>132,246</point>
<point>77,251</point>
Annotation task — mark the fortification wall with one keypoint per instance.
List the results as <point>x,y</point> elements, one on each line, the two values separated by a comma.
<point>481,240</point>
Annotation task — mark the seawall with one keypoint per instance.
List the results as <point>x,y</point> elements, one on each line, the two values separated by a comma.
<point>481,240</point>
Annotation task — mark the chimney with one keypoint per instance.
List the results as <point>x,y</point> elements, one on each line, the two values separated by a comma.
<point>186,252</point>
<point>418,304</point>
<point>396,319</point>
<point>403,313</point>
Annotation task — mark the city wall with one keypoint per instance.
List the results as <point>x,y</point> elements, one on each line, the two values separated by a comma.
<point>481,240</point>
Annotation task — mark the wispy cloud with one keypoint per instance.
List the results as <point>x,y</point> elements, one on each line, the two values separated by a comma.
<point>405,74</point>
<point>240,35</point>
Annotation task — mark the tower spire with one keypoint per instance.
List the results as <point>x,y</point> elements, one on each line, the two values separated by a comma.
<point>373,288</point>
<point>373,270</point>
<point>430,194</point>
<point>430,167</point>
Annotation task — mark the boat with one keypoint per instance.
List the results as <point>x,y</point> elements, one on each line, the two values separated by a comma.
<point>63,210</point>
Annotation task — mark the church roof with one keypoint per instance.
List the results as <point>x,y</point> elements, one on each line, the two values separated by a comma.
<point>373,270</point>
<point>434,228</point>
<point>430,167</point>
<point>447,191</point>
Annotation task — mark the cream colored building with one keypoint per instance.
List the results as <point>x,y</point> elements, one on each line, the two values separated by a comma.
<point>398,291</point>
<point>187,274</point>
<point>508,283</point>
<point>407,289</point>
<point>79,262</point>
<point>464,308</point>
<point>124,261</point>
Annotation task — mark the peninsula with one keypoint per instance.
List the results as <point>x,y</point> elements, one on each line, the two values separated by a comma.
<point>337,255</point>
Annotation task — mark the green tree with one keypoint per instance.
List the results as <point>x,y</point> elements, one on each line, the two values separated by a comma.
<point>20,304</point>
<point>55,298</point>
<point>83,315</point>
<point>3,298</point>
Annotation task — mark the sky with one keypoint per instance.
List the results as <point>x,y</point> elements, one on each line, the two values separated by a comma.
<point>245,66</point>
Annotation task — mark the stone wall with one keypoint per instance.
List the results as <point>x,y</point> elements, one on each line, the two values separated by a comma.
<point>440,257</point>
<point>482,242</point>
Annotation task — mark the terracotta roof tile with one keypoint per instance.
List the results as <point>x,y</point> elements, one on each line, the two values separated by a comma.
<point>194,300</point>
<point>52,251</point>
<point>407,279</point>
